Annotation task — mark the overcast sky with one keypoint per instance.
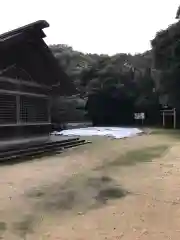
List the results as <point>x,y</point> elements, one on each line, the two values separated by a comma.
<point>94,26</point>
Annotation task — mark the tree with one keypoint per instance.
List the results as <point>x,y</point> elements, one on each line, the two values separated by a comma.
<point>178,13</point>
<point>114,85</point>
<point>166,58</point>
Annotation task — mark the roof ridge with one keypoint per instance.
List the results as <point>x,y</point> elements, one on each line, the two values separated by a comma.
<point>41,24</point>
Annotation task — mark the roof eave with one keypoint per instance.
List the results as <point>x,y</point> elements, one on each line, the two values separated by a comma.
<point>38,25</point>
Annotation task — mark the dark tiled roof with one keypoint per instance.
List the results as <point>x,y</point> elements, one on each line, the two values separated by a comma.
<point>56,75</point>
<point>38,25</point>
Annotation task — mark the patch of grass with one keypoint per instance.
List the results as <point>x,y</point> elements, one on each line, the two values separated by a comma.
<point>3,226</point>
<point>174,133</point>
<point>62,200</point>
<point>139,155</point>
<point>110,193</point>
<point>80,192</point>
<point>24,227</point>
<point>35,193</point>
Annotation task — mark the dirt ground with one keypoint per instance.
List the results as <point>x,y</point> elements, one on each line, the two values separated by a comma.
<point>110,189</point>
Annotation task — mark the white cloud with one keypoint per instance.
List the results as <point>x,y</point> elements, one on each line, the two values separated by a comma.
<point>96,26</point>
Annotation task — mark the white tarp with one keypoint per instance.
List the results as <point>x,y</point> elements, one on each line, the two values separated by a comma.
<point>115,132</point>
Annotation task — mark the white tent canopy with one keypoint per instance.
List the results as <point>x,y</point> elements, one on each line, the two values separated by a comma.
<point>115,132</point>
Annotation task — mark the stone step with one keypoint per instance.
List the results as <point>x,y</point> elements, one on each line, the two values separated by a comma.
<point>38,146</point>
<point>44,149</point>
<point>21,145</point>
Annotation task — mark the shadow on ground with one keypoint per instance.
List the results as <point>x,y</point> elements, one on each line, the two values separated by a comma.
<point>80,193</point>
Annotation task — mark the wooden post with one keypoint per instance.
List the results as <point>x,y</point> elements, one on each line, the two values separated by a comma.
<point>163,119</point>
<point>174,117</point>
<point>18,109</point>
<point>49,109</point>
